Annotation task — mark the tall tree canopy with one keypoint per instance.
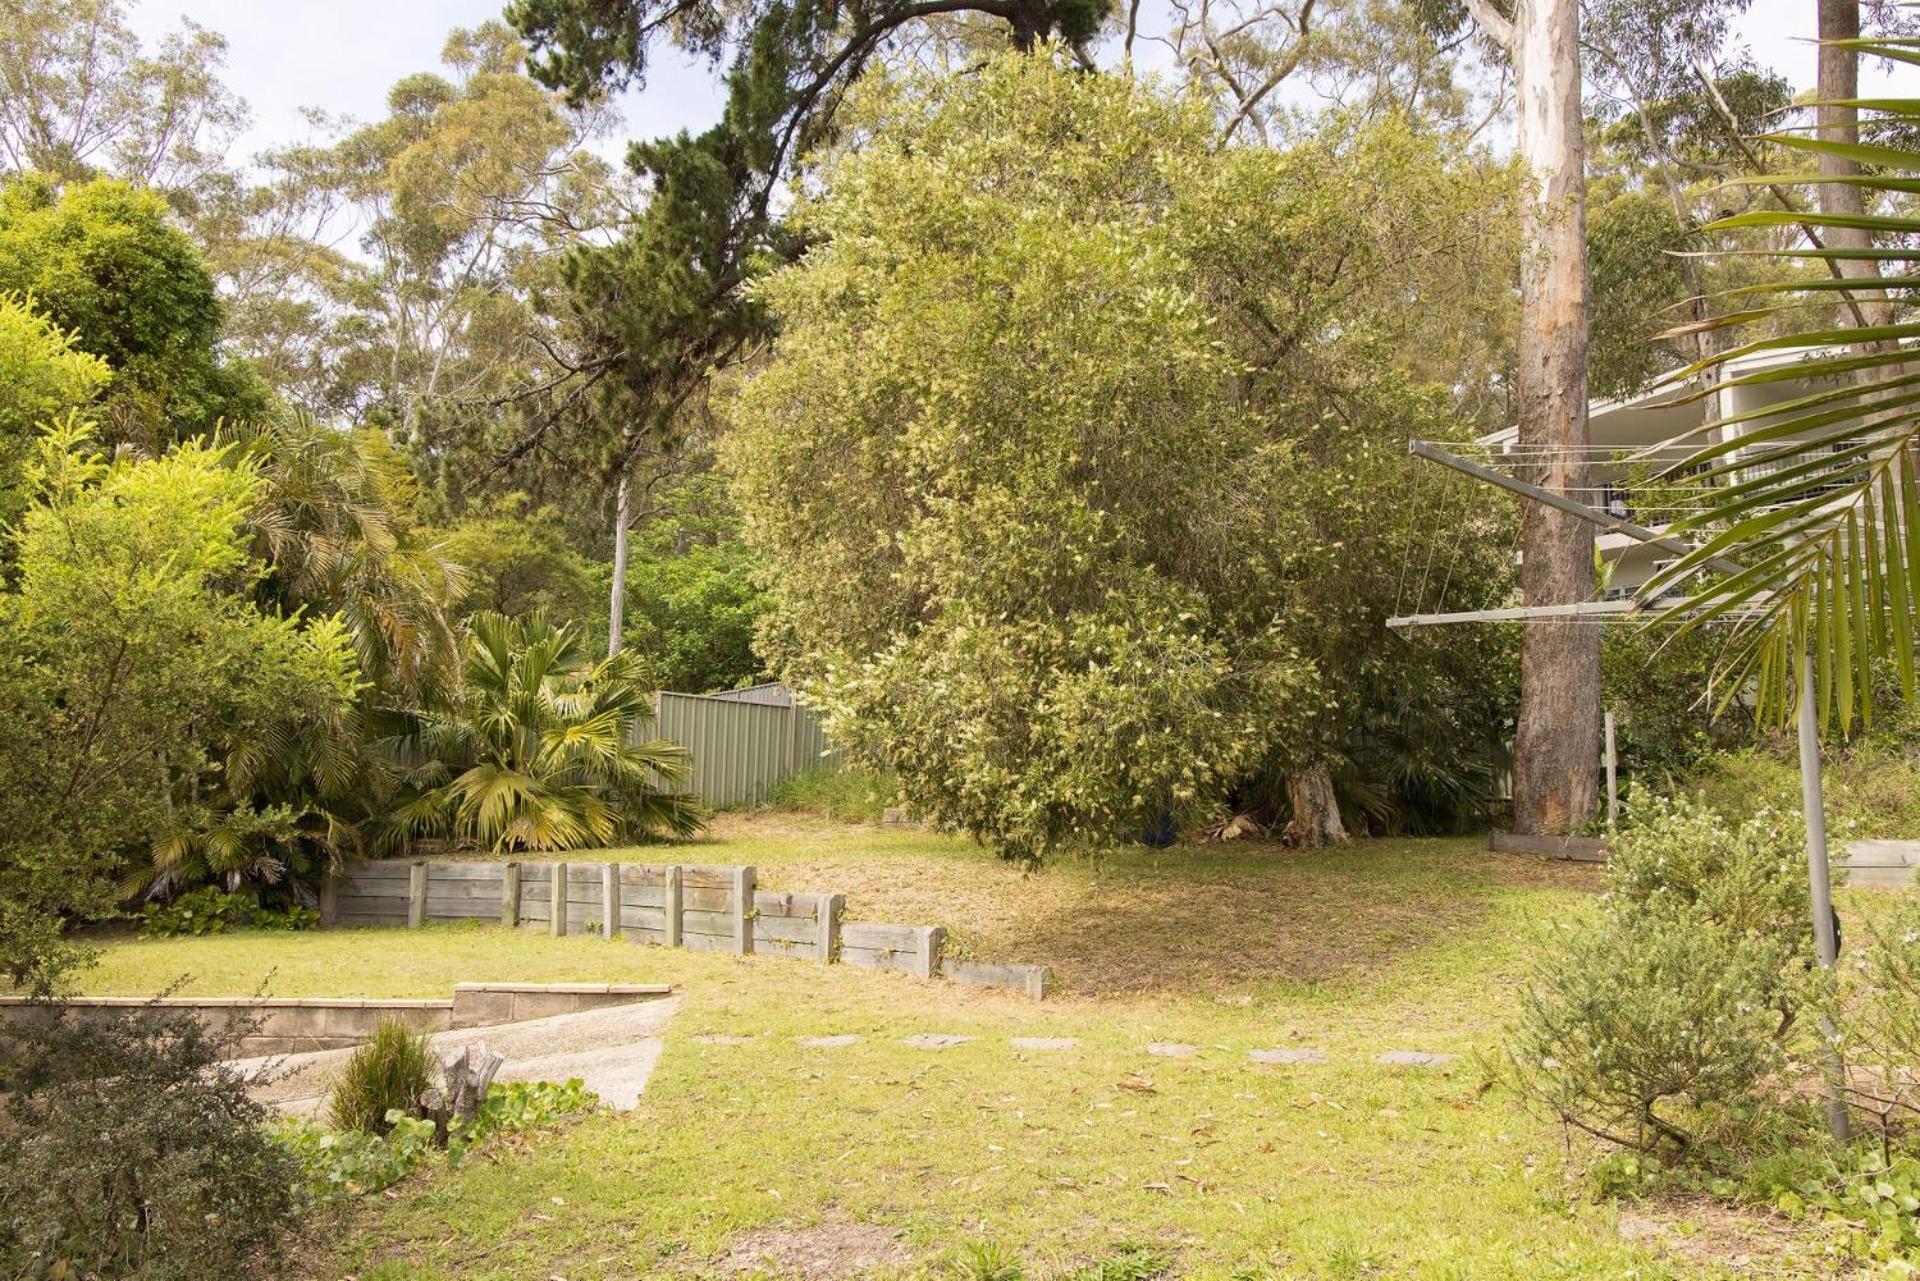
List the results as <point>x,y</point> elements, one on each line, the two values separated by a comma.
<point>102,261</point>
<point>1078,466</point>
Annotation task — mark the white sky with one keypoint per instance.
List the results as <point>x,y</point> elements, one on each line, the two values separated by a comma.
<point>343,55</point>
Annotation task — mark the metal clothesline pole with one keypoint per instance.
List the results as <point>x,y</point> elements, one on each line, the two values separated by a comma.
<point>1820,883</point>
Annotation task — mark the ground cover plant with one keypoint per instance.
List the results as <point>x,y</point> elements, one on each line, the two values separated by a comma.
<point>1057,1160</point>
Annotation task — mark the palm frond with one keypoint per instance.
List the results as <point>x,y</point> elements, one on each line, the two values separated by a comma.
<point>1808,531</point>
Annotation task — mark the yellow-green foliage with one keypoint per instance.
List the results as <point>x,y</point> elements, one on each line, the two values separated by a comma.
<point>42,375</point>
<point>1079,466</point>
<point>141,679</point>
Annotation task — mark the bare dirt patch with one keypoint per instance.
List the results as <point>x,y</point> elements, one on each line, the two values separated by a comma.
<point>1752,1243</point>
<point>823,1252</point>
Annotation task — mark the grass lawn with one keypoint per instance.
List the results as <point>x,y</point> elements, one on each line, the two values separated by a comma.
<point>1345,1168</point>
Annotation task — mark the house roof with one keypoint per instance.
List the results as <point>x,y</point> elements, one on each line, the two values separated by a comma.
<point>1664,409</point>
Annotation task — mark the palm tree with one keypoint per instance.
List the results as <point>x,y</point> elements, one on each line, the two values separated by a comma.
<point>335,530</point>
<point>1811,507</point>
<point>540,750</point>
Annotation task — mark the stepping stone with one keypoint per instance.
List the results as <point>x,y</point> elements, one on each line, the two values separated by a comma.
<point>935,1040</point>
<point>1287,1056</point>
<point>828,1042</point>
<point>1045,1042</point>
<point>1413,1058</point>
<point>711,1039</point>
<point>1173,1050</point>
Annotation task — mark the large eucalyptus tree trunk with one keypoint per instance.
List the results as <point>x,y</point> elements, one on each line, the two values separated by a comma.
<point>1557,746</point>
<point>1839,79</point>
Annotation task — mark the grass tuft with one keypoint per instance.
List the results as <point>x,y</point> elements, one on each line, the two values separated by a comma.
<point>391,1071</point>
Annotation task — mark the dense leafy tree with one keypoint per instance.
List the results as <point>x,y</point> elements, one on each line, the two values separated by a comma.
<point>1078,466</point>
<point>694,599</point>
<point>541,751</point>
<point>101,260</point>
<point>517,559</point>
<point>135,667</point>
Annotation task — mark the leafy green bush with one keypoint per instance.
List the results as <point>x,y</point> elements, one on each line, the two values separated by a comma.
<point>350,1163</point>
<point>843,795</point>
<point>389,1073</point>
<point>522,1105</point>
<point>1664,723</point>
<point>133,1151</point>
<point>1656,1023</point>
<point>210,910</point>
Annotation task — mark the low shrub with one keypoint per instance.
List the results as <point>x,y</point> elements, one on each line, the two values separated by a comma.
<point>132,1151</point>
<point>1661,1022</point>
<point>521,1105</point>
<point>350,1163</point>
<point>210,910</point>
<point>843,795</point>
<point>1652,1032</point>
<point>1747,875</point>
<point>390,1073</point>
<point>1878,1010</point>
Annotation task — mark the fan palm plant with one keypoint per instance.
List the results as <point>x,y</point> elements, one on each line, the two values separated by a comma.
<point>1811,510</point>
<point>541,749</point>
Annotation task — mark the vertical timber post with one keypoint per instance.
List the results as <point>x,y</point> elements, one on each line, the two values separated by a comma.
<point>557,911</point>
<point>670,904</point>
<point>932,941</point>
<point>742,896</point>
<point>610,900</point>
<point>1813,805</point>
<point>828,908</point>
<point>416,894</point>
<point>1613,777</point>
<point>510,895</point>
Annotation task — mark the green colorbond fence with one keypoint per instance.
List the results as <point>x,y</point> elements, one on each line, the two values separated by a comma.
<point>742,741</point>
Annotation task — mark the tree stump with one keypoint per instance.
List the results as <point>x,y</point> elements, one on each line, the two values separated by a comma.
<point>466,1077</point>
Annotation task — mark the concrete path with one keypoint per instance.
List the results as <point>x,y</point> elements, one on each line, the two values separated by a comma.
<point>612,1051</point>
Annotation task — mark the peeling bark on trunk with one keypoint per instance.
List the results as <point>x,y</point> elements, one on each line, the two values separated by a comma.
<point>1316,811</point>
<point>1557,746</point>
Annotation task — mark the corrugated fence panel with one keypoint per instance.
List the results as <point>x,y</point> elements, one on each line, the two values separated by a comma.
<point>740,749</point>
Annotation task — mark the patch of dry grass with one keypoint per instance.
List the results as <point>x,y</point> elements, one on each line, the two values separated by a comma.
<point>1212,917</point>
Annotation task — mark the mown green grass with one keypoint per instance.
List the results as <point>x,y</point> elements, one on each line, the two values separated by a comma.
<point>1342,1169</point>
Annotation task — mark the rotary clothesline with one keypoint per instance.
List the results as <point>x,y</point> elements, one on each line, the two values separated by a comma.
<point>1806,722</point>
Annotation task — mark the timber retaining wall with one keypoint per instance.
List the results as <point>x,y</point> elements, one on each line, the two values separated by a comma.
<point>711,908</point>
